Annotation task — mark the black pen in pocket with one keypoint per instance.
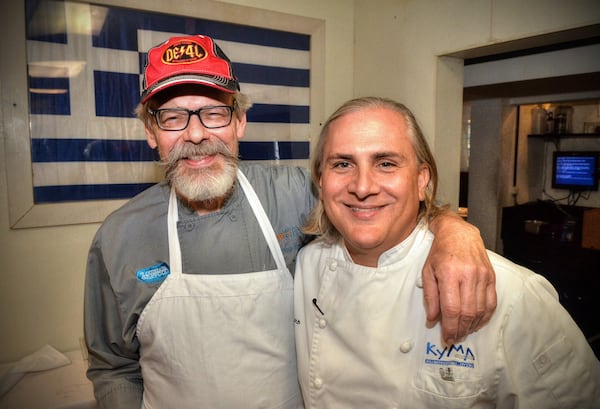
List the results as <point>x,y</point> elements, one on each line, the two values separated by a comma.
<point>314,301</point>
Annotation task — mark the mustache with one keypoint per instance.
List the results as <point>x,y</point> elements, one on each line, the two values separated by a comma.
<point>189,149</point>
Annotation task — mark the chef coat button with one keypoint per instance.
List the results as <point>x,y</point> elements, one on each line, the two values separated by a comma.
<point>406,346</point>
<point>322,323</point>
<point>318,383</point>
<point>542,363</point>
<point>333,265</point>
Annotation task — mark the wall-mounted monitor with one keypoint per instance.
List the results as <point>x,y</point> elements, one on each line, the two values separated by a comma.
<point>575,170</point>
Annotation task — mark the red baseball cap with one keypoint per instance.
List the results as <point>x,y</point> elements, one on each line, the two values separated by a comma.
<point>195,59</point>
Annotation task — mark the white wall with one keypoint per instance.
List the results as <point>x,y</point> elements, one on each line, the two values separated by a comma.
<point>384,47</point>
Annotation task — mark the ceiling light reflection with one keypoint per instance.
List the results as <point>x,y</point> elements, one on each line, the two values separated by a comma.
<point>47,91</point>
<point>55,69</point>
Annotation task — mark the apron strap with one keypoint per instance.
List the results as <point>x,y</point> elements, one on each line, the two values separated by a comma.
<point>175,264</point>
<point>263,221</point>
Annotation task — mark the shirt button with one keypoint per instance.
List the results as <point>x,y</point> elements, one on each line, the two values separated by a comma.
<point>406,346</point>
<point>542,363</point>
<point>189,226</point>
<point>322,323</point>
<point>232,217</point>
<point>318,383</point>
<point>333,265</point>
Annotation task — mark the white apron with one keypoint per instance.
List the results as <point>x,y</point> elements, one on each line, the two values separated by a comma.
<point>220,341</point>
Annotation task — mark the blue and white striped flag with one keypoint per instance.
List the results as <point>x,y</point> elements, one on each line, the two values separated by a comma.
<point>84,65</point>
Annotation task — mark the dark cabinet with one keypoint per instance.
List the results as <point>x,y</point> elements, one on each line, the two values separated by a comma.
<point>546,238</point>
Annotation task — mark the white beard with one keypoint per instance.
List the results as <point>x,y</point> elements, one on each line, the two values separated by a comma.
<point>205,184</point>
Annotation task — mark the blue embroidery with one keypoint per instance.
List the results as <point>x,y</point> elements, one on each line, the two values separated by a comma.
<point>454,355</point>
<point>153,274</point>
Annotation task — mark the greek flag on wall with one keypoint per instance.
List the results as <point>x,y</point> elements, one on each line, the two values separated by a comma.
<point>85,65</point>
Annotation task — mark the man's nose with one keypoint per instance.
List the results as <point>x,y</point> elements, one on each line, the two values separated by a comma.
<point>364,183</point>
<point>195,131</point>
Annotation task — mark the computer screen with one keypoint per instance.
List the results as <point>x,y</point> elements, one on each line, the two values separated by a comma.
<point>575,170</point>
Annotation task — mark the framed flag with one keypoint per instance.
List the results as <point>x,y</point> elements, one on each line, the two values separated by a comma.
<point>84,61</point>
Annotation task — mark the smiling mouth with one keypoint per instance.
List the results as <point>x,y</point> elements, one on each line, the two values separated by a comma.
<point>364,210</point>
<point>197,157</point>
<point>199,160</point>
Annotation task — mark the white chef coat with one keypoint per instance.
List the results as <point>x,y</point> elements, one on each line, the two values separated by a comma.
<point>363,341</point>
<point>220,341</point>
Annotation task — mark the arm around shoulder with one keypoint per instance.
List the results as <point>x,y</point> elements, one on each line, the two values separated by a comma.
<point>458,278</point>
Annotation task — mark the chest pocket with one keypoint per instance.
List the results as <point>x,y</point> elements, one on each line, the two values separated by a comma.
<point>451,387</point>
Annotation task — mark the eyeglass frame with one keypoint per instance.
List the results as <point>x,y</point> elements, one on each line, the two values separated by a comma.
<point>155,112</point>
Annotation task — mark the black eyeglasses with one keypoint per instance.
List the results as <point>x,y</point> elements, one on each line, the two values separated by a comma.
<point>177,119</point>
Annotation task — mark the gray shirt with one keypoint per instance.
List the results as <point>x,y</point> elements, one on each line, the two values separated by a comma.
<point>129,255</point>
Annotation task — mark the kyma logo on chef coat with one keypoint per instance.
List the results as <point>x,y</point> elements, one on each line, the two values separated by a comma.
<point>453,355</point>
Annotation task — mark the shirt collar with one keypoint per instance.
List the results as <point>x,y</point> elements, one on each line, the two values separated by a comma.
<point>396,253</point>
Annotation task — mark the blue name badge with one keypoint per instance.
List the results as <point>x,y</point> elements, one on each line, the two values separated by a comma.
<point>153,274</point>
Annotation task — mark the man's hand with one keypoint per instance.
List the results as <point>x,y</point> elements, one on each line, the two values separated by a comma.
<point>458,278</point>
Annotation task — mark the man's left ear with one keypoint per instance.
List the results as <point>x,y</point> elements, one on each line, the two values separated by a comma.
<point>150,138</point>
<point>240,124</point>
<point>423,180</point>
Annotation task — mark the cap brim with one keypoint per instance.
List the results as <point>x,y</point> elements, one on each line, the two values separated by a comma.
<point>229,87</point>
